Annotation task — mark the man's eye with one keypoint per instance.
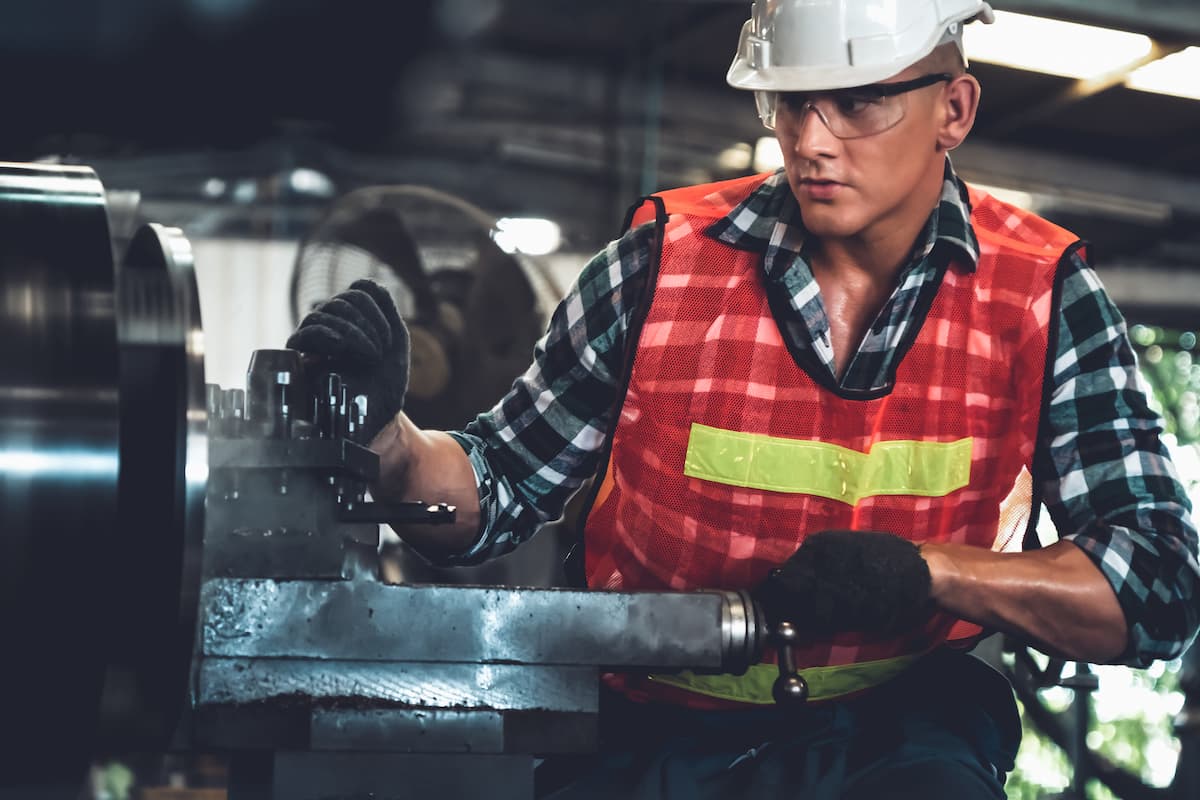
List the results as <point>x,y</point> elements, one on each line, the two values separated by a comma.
<point>852,104</point>
<point>794,102</point>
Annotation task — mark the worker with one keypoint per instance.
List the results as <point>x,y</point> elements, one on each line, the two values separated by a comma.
<point>847,385</point>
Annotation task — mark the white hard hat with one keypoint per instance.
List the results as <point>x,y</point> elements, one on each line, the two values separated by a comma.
<point>813,45</point>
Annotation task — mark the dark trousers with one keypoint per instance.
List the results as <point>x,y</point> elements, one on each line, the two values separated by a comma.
<point>948,728</point>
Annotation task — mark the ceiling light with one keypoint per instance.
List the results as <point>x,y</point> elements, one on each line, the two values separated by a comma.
<point>214,187</point>
<point>737,158</point>
<point>1061,48</point>
<point>768,156</point>
<point>1174,74</point>
<point>308,181</point>
<point>529,235</point>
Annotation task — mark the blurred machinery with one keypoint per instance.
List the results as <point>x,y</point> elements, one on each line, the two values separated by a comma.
<point>474,313</point>
<point>197,568</point>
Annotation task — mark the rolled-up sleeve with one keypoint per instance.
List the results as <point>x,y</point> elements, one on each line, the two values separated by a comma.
<point>545,437</point>
<point>1107,478</point>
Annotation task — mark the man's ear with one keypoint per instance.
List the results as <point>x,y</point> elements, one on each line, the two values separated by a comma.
<point>960,103</point>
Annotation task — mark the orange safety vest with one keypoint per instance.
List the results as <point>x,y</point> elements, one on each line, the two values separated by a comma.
<point>726,454</point>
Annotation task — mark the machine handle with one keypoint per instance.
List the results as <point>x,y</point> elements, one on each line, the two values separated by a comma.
<point>790,689</point>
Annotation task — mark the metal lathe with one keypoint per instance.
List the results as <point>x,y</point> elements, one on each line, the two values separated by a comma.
<point>191,567</point>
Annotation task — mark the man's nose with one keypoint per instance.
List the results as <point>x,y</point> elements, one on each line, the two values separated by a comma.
<point>813,137</point>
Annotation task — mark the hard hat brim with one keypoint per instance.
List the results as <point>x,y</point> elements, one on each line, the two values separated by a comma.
<point>806,79</point>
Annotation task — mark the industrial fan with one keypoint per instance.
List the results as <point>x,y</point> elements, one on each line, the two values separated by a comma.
<point>474,312</point>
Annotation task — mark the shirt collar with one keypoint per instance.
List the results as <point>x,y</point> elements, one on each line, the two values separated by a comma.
<point>770,218</point>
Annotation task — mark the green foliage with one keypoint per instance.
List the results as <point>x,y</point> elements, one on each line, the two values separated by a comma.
<point>1132,716</point>
<point>113,781</point>
<point>1133,709</point>
<point>1137,734</point>
<point>1042,768</point>
<point>1168,361</point>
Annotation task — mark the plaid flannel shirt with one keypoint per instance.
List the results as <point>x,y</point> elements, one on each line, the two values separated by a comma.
<point>1104,476</point>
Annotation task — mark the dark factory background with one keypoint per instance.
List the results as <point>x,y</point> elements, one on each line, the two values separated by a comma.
<point>536,123</point>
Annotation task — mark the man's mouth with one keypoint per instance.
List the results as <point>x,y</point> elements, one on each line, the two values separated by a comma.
<point>821,190</point>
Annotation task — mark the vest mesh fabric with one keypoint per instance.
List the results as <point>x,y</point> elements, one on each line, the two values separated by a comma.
<point>710,352</point>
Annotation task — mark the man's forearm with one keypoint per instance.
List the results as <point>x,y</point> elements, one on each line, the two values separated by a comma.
<point>1055,598</point>
<point>429,466</point>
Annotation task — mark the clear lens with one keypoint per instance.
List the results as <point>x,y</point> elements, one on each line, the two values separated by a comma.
<point>848,114</point>
<point>853,115</point>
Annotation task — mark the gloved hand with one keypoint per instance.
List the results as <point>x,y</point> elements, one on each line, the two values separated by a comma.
<point>360,335</point>
<point>848,581</point>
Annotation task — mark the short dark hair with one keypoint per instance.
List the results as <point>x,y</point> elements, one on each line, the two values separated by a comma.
<point>945,58</point>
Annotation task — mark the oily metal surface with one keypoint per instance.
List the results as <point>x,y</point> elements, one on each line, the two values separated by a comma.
<point>308,682</point>
<point>366,620</point>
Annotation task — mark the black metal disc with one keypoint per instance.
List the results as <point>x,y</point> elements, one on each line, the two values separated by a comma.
<point>103,464</point>
<point>58,468</point>
<point>163,447</point>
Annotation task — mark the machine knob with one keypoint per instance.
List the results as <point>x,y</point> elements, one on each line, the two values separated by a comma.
<point>790,688</point>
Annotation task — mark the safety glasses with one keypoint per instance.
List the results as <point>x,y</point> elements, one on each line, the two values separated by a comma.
<point>847,113</point>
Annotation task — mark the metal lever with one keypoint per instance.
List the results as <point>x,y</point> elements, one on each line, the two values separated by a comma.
<point>790,689</point>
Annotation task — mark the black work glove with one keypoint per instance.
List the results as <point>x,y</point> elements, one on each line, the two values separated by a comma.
<point>361,336</point>
<point>849,581</point>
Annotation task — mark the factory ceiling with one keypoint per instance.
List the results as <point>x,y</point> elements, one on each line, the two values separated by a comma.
<point>546,107</point>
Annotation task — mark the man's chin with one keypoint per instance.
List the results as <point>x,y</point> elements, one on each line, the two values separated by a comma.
<point>829,221</point>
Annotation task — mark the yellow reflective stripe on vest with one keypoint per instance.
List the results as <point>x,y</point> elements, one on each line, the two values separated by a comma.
<point>824,683</point>
<point>798,466</point>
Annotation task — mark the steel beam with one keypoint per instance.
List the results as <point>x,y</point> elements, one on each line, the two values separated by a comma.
<point>1022,168</point>
<point>1142,285</point>
<point>1171,17</point>
<point>1077,92</point>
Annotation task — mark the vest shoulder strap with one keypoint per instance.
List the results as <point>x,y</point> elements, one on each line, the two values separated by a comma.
<point>1011,228</point>
<point>712,200</point>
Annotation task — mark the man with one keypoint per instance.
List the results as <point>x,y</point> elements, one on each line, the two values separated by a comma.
<point>857,355</point>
